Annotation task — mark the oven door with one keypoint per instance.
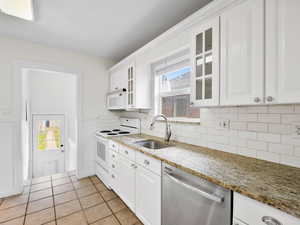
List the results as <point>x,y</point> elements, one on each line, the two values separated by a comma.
<point>102,156</point>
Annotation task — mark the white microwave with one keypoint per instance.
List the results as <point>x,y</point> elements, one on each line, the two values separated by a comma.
<point>117,100</point>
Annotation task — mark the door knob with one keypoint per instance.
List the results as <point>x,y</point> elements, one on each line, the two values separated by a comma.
<point>257,99</point>
<point>270,99</point>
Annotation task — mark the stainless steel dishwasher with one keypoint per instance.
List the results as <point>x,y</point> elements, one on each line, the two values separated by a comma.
<point>190,200</point>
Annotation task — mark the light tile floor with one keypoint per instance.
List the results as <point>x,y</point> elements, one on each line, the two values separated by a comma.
<point>62,199</point>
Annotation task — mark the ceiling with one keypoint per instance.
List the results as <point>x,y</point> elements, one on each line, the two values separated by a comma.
<point>112,29</point>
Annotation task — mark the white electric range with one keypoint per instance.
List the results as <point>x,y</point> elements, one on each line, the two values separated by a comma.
<point>127,126</point>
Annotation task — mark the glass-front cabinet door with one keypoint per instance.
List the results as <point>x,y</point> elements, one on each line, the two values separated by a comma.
<point>205,64</point>
<point>131,86</point>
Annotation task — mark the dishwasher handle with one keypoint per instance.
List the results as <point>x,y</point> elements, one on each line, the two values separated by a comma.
<point>195,189</point>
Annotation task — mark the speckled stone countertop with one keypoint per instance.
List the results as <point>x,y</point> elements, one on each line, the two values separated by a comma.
<point>271,183</point>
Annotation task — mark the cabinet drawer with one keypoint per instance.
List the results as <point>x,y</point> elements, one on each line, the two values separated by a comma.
<point>113,155</point>
<point>149,163</point>
<point>113,146</point>
<point>127,152</point>
<point>253,212</point>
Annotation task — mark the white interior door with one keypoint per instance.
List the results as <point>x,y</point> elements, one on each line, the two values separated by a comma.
<point>48,144</point>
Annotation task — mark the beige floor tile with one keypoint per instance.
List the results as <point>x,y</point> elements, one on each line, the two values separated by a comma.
<point>74,219</point>
<point>101,187</point>
<point>50,223</point>
<point>91,200</point>
<point>82,183</point>
<point>65,197</point>
<point>59,176</point>
<point>41,186</point>
<point>116,205</point>
<point>62,188</point>
<point>18,221</point>
<point>14,201</point>
<point>111,220</point>
<point>40,217</point>
<point>61,181</point>
<point>40,204</point>
<point>40,194</point>
<point>97,212</point>
<point>40,180</point>
<point>88,190</point>
<point>126,217</point>
<point>12,213</point>
<point>95,180</point>
<point>67,208</point>
<point>108,195</point>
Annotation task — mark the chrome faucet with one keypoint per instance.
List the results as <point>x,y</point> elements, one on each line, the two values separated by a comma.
<point>168,127</point>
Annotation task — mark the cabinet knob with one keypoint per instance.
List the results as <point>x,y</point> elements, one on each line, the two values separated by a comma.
<point>113,176</point>
<point>113,166</point>
<point>257,99</point>
<point>191,103</point>
<point>270,99</point>
<point>268,220</point>
<point>146,162</point>
<point>113,156</point>
<point>133,165</point>
<point>126,152</point>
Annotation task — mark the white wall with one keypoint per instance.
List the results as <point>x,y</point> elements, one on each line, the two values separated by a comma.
<point>55,93</point>
<point>94,115</point>
<point>265,132</point>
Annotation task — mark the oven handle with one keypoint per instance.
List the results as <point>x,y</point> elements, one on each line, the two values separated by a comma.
<point>195,189</point>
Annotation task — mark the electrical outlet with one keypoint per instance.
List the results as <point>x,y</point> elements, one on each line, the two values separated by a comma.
<point>224,124</point>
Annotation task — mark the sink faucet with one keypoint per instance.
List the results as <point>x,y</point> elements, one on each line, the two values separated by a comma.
<point>168,127</point>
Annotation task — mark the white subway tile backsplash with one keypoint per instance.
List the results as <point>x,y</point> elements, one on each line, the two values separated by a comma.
<point>247,135</point>
<point>273,138</point>
<point>269,118</point>
<point>259,127</point>
<point>269,156</point>
<point>280,128</point>
<point>247,117</point>
<point>281,149</point>
<point>258,145</point>
<point>281,109</point>
<point>264,132</point>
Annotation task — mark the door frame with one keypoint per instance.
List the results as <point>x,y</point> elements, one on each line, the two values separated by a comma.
<point>65,134</point>
<point>19,68</point>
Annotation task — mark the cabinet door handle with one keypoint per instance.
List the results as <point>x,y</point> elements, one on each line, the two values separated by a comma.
<point>126,152</point>
<point>146,162</point>
<point>257,99</point>
<point>270,99</point>
<point>268,220</point>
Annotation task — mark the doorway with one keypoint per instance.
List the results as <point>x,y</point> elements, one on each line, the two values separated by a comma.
<point>50,115</point>
<point>48,135</point>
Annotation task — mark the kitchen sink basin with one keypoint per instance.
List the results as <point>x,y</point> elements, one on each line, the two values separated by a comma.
<point>152,144</point>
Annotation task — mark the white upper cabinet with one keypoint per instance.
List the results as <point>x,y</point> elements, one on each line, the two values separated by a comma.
<point>131,89</point>
<point>242,54</point>
<point>282,51</point>
<point>205,64</point>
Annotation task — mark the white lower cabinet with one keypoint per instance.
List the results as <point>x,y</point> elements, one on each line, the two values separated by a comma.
<point>136,178</point>
<point>148,196</point>
<point>126,181</point>
<point>247,211</point>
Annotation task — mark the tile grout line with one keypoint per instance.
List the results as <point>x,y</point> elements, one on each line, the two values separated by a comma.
<point>54,206</point>
<point>28,198</point>
<point>85,217</point>
<point>106,202</point>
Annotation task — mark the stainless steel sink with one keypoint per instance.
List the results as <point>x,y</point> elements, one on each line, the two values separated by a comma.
<point>152,144</point>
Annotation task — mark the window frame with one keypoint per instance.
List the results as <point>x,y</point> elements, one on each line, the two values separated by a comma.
<point>160,94</point>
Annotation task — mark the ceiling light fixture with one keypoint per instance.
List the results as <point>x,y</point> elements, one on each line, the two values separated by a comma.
<point>19,8</point>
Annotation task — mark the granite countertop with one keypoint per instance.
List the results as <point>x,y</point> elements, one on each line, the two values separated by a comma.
<point>270,183</point>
